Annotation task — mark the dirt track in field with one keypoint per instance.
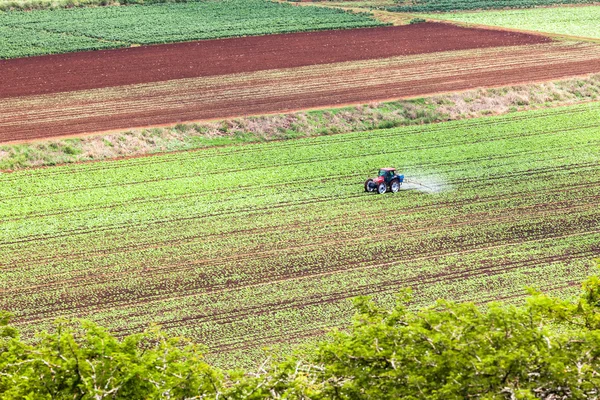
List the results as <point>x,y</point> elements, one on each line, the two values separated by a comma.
<point>280,90</point>
<point>89,70</point>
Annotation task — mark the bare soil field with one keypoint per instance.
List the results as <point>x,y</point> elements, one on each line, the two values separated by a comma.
<point>281,90</point>
<point>89,70</point>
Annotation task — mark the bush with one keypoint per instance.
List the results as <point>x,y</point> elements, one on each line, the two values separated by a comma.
<point>547,348</point>
<point>417,21</point>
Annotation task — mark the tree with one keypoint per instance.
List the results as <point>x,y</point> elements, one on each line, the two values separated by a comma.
<point>87,362</point>
<point>547,348</point>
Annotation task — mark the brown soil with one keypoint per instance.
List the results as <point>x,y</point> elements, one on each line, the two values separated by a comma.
<point>88,70</point>
<point>261,92</point>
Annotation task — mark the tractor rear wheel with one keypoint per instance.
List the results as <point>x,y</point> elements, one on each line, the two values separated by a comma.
<point>381,188</point>
<point>395,185</point>
<point>367,187</point>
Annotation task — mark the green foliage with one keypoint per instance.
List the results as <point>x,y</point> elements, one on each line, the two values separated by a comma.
<point>28,5</point>
<point>59,31</point>
<point>417,21</point>
<point>456,5</point>
<point>574,21</point>
<point>449,351</point>
<point>87,362</point>
<point>546,348</point>
<point>16,41</point>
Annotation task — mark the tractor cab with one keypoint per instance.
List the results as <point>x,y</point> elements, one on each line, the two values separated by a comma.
<point>387,173</point>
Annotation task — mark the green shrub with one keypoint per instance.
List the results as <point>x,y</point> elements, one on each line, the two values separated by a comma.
<point>546,348</point>
<point>417,21</point>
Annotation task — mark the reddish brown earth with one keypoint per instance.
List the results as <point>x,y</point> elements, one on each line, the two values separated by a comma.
<point>98,69</point>
<point>280,90</point>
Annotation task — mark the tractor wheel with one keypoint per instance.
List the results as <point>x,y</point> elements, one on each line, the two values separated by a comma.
<point>367,188</point>
<point>381,188</point>
<point>395,186</point>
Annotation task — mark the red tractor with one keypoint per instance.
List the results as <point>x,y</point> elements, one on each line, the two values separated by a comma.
<point>387,179</point>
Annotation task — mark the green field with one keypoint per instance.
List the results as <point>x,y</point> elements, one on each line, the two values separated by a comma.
<point>28,5</point>
<point>573,21</point>
<point>360,3</point>
<point>457,5</point>
<point>67,30</point>
<point>244,246</point>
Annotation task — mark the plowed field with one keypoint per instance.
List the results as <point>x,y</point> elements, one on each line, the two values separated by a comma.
<point>245,246</point>
<point>89,92</point>
<point>88,70</point>
<point>277,90</point>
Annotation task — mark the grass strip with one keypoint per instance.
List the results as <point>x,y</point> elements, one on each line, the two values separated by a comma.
<point>469,104</point>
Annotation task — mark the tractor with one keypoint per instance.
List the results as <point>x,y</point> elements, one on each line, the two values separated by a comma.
<point>387,178</point>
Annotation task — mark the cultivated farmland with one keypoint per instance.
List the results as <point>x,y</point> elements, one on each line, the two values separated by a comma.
<point>229,245</point>
<point>455,5</point>
<point>24,34</point>
<point>280,90</point>
<point>90,70</point>
<point>572,21</point>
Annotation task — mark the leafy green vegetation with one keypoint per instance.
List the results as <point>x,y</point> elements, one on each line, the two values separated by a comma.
<point>573,21</point>
<point>47,31</point>
<point>17,41</point>
<point>243,246</point>
<point>546,348</point>
<point>417,21</point>
<point>457,5</point>
<point>27,5</point>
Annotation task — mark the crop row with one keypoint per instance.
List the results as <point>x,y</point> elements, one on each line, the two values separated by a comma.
<point>228,245</point>
<point>302,257</point>
<point>457,5</point>
<point>60,31</point>
<point>572,21</point>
